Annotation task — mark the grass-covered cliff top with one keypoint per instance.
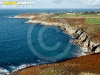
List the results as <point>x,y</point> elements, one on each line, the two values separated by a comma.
<point>85,65</point>
<point>89,22</point>
<point>76,15</point>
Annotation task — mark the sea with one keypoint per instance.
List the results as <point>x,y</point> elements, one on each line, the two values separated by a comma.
<point>23,45</point>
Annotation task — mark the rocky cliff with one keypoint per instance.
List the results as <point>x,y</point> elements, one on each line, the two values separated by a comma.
<point>74,27</point>
<point>84,40</point>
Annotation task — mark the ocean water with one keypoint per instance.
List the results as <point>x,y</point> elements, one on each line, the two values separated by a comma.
<point>23,45</point>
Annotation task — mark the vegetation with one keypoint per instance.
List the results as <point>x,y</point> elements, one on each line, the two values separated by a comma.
<point>86,65</point>
<point>78,66</point>
<point>76,15</point>
<point>92,28</point>
<point>68,15</point>
<point>93,21</point>
<point>87,73</point>
<point>52,71</point>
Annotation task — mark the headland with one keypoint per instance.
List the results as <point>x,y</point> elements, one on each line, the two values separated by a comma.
<point>85,28</point>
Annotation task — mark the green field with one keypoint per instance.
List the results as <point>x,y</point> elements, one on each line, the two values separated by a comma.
<point>93,21</point>
<point>64,15</point>
<point>90,18</point>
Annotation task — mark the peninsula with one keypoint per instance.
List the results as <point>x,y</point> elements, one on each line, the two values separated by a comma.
<point>85,28</point>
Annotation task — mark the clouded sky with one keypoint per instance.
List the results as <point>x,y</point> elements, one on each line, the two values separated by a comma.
<point>63,3</point>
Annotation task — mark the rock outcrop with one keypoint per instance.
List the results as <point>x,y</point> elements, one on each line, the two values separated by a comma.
<point>84,40</point>
<point>81,38</point>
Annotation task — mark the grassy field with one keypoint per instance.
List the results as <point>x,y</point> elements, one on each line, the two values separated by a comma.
<point>93,21</point>
<point>90,18</point>
<point>65,15</point>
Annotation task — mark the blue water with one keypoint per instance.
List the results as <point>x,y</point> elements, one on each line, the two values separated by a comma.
<point>15,37</point>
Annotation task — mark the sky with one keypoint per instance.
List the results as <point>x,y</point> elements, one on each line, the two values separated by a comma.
<point>62,4</point>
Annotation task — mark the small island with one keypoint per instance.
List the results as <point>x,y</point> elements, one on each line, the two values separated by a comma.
<point>85,28</point>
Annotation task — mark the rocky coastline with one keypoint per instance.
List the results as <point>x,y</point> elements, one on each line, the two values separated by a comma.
<point>75,27</point>
<point>81,37</point>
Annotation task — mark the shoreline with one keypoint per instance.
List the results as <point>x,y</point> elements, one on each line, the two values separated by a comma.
<point>79,34</point>
<point>69,66</point>
<point>84,50</point>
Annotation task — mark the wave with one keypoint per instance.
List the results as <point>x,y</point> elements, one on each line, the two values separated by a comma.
<point>4,71</point>
<point>82,52</point>
<point>23,66</point>
<point>6,17</point>
<point>12,68</point>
